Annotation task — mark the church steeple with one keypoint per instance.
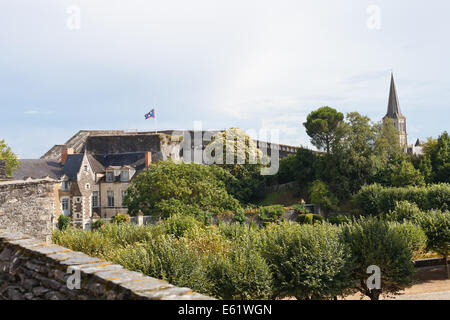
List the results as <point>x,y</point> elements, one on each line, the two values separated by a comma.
<point>393,112</point>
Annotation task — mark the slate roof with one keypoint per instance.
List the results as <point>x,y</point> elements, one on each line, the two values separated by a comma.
<point>72,166</point>
<point>133,159</point>
<point>37,168</point>
<point>393,110</point>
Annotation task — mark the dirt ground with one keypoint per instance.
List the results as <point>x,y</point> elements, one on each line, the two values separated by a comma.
<point>429,280</point>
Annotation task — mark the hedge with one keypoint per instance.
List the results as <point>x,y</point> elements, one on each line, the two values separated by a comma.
<point>375,199</point>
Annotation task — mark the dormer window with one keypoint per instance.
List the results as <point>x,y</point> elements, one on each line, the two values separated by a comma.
<point>124,176</point>
<point>65,186</point>
<point>109,176</point>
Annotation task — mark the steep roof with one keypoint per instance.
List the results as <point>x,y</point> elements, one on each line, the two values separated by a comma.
<point>393,110</point>
<point>72,166</point>
<point>37,168</point>
<point>133,159</point>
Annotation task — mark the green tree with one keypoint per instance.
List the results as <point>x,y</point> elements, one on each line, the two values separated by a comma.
<point>322,125</point>
<point>10,158</point>
<point>307,262</point>
<point>374,242</point>
<point>436,225</point>
<point>322,196</point>
<point>235,151</point>
<point>167,188</point>
<point>439,153</point>
<point>406,175</point>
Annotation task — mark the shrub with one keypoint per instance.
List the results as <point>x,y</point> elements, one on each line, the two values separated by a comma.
<point>309,218</point>
<point>413,235</point>
<point>338,219</point>
<point>242,274</point>
<point>91,243</point>
<point>320,195</point>
<point>375,199</point>
<point>307,262</point>
<point>123,233</point>
<point>121,218</point>
<point>239,216</point>
<point>271,213</point>
<point>63,222</point>
<point>404,210</point>
<point>98,224</point>
<point>178,225</point>
<point>374,242</point>
<point>436,225</point>
<point>173,260</point>
<point>300,208</point>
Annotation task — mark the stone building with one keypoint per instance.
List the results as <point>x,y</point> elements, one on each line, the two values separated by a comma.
<point>95,168</point>
<point>394,113</point>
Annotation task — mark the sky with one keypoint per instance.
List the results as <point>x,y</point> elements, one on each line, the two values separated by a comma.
<point>77,65</point>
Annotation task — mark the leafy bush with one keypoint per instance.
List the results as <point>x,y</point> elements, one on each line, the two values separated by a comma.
<point>121,218</point>
<point>307,262</point>
<point>91,243</point>
<point>98,224</point>
<point>404,210</point>
<point>320,195</point>
<point>169,188</point>
<point>123,234</point>
<point>300,208</point>
<point>242,274</point>
<point>271,213</point>
<point>374,242</point>
<point>436,225</point>
<point>170,259</point>
<point>338,219</point>
<point>309,218</point>
<point>375,199</point>
<point>63,222</point>
<point>240,216</point>
<point>178,225</point>
<point>413,235</point>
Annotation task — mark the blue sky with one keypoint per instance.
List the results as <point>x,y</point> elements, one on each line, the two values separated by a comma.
<point>248,64</point>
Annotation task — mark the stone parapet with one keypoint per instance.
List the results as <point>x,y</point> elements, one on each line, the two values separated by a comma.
<point>31,269</point>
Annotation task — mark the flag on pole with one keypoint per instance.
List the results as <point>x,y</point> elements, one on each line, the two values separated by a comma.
<point>151,114</point>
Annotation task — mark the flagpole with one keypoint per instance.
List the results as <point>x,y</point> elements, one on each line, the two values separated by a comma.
<point>156,121</point>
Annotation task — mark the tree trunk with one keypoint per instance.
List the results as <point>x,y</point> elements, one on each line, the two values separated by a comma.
<point>446,265</point>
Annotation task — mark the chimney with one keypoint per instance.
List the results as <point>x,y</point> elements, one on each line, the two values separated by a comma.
<point>64,153</point>
<point>148,158</point>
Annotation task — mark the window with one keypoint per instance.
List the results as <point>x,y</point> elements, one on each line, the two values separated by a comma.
<point>86,169</point>
<point>65,185</point>
<point>78,200</point>
<point>110,176</point>
<point>95,199</point>
<point>110,198</point>
<point>124,193</point>
<point>124,176</point>
<point>65,204</point>
<point>88,186</point>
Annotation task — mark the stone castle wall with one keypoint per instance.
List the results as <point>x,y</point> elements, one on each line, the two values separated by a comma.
<point>31,269</point>
<point>2,169</point>
<point>28,207</point>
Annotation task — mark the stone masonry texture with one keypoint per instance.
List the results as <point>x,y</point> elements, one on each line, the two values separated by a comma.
<point>31,269</point>
<point>28,207</point>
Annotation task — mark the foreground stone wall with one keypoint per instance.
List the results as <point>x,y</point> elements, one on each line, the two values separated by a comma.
<point>31,269</point>
<point>28,207</point>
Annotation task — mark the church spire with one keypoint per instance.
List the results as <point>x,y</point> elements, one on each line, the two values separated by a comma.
<point>393,110</point>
